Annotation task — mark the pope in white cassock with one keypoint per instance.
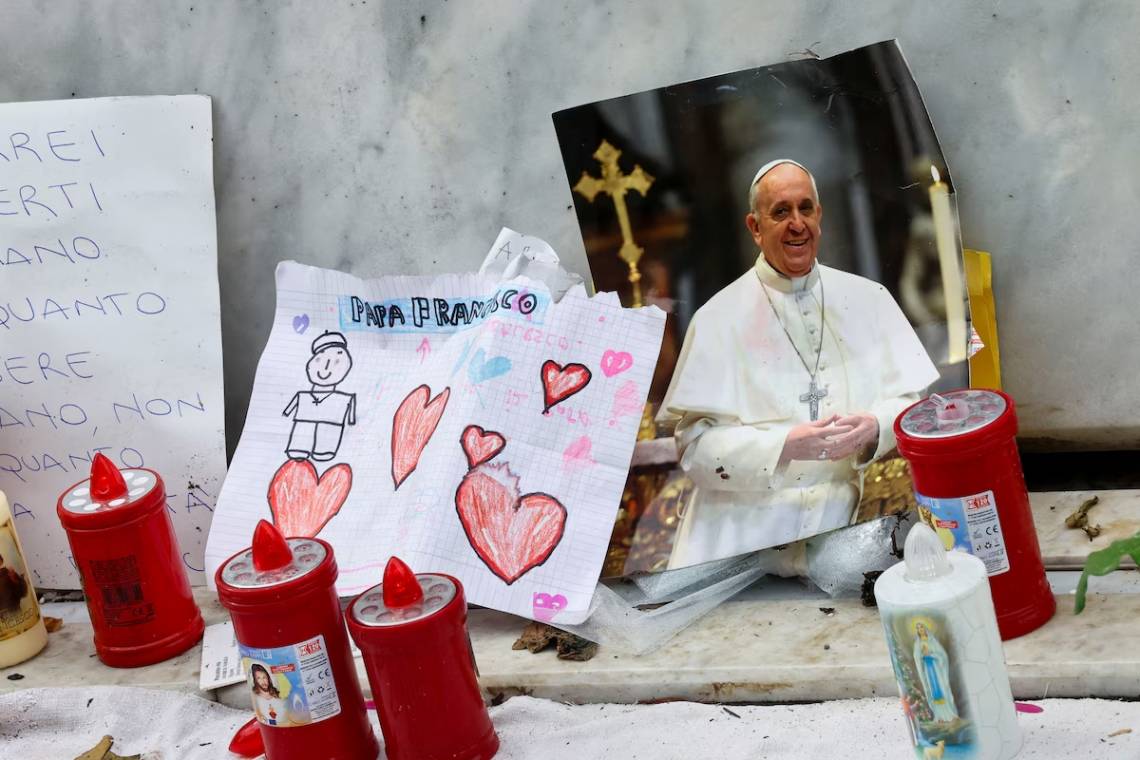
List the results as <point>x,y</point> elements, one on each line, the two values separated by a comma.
<point>787,386</point>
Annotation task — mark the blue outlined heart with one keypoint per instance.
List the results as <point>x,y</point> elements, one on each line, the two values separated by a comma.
<point>481,368</point>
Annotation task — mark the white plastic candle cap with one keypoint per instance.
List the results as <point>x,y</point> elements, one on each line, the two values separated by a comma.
<point>924,554</point>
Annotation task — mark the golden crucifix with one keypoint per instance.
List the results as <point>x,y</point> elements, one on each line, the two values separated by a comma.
<point>615,184</point>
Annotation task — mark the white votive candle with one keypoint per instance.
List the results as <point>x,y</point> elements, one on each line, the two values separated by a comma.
<point>944,645</point>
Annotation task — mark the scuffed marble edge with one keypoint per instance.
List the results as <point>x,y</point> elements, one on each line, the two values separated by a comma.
<point>1117,513</point>
<point>734,655</point>
<point>744,651</point>
<point>69,660</point>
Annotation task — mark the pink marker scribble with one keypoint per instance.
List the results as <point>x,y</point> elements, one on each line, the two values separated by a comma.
<point>578,453</point>
<point>626,401</point>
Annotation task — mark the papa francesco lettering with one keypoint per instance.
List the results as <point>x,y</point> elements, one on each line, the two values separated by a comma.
<point>434,313</point>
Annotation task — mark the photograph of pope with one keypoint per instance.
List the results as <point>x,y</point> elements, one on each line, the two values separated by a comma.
<point>787,385</point>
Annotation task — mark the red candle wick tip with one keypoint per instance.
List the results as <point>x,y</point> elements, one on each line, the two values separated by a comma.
<point>270,549</point>
<point>401,588</point>
<point>106,481</point>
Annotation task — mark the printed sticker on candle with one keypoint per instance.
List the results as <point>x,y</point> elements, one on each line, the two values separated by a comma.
<point>18,609</point>
<point>969,523</point>
<point>931,686</point>
<point>293,685</point>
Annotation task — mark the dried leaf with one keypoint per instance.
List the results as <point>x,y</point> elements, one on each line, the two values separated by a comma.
<point>99,751</point>
<point>1080,518</point>
<point>536,637</point>
<point>52,624</point>
<point>102,751</point>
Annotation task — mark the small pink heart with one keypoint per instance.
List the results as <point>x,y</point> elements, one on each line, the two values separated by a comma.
<point>546,607</point>
<point>616,362</point>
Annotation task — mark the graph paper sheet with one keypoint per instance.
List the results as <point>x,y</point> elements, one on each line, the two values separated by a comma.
<point>469,425</point>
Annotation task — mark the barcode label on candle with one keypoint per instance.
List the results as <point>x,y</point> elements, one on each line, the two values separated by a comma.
<point>118,581</point>
<point>968,523</point>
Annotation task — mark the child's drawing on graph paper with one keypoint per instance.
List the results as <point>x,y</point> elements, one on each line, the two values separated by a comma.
<point>320,413</point>
<point>450,461</point>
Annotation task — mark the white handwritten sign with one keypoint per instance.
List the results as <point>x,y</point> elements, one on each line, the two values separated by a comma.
<point>467,424</point>
<point>109,319</point>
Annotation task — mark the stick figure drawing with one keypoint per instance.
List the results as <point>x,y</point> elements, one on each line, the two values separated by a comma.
<point>320,413</point>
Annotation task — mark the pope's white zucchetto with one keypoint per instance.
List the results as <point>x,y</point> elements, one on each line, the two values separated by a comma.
<point>769,167</point>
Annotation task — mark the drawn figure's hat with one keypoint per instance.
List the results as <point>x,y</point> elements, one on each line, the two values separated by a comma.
<point>329,338</point>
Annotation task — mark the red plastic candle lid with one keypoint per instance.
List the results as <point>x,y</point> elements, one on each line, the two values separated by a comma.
<point>305,555</point>
<point>952,414</point>
<point>402,597</point>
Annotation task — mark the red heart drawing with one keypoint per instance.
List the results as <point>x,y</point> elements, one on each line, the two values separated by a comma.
<point>412,427</point>
<point>481,445</point>
<point>560,383</point>
<point>512,535</point>
<point>301,502</point>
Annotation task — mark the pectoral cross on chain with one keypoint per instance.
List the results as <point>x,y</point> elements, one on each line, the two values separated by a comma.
<point>812,397</point>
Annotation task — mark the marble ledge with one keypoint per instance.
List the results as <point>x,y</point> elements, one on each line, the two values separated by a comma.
<point>69,657</point>
<point>747,650</point>
<point>789,651</point>
<point>750,650</point>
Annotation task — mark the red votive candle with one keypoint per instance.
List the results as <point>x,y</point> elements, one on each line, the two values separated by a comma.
<point>142,610</point>
<point>412,631</point>
<point>281,596</point>
<point>971,490</point>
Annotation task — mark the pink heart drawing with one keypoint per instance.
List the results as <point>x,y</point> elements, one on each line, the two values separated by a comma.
<point>412,427</point>
<point>511,535</point>
<point>560,383</point>
<point>577,454</point>
<point>301,502</point>
<point>616,362</point>
<point>481,445</point>
<point>546,607</point>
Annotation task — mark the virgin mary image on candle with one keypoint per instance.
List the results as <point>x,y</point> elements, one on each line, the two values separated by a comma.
<point>933,665</point>
<point>929,684</point>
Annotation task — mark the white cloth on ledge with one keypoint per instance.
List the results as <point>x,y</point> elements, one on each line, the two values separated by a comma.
<point>50,724</point>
